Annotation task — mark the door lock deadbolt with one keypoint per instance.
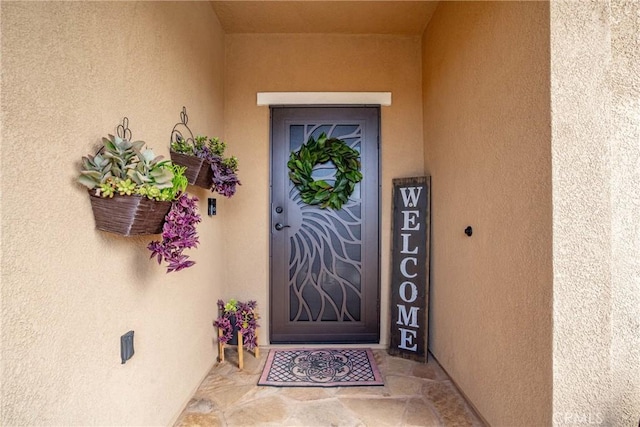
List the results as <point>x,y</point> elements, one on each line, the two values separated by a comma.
<point>279,209</point>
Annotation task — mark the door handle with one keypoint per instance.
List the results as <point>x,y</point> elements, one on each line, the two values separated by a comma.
<point>280,226</point>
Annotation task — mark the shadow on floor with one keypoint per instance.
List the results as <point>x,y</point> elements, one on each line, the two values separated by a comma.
<point>414,394</point>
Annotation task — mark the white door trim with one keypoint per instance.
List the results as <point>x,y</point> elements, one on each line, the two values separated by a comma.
<point>324,98</point>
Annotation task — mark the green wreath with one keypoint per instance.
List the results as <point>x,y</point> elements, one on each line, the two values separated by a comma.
<point>322,150</point>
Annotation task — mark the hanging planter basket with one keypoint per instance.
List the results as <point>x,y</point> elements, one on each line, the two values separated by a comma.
<point>198,171</point>
<point>129,215</point>
<point>203,159</point>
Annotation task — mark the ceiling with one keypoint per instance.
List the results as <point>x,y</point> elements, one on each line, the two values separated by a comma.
<point>333,16</point>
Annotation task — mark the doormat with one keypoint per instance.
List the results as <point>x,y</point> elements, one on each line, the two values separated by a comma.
<point>321,368</point>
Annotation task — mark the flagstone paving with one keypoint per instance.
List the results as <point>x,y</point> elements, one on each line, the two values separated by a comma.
<point>414,394</point>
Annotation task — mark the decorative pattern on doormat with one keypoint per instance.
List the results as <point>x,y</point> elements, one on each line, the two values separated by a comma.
<point>321,368</point>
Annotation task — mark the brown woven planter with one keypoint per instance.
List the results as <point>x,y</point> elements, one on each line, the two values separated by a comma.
<point>198,171</point>
<point>129,215</point>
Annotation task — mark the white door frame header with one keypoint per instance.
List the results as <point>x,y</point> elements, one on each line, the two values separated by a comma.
<point>326,98</point>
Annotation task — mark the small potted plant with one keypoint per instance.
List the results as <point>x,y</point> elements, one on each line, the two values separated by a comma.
<point>204,159</point>
<point>134,192</point>
<point>237,317</point>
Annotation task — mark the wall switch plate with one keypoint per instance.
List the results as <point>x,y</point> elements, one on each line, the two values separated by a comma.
<point>126,346</point>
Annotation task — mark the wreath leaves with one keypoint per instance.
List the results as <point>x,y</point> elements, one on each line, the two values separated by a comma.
<point>320,151</point>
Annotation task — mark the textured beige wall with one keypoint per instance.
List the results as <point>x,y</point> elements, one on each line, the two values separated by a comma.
<point>70,72</point>
<point>264,63</point>
<point>487,147</point>
<point>596,226</point>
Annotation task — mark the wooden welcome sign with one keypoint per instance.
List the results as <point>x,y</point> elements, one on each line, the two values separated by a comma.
<point>410,268</point>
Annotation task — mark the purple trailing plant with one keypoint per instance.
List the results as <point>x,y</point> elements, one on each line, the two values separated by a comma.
<point>178,233</point>
<point>224,170</point>
<point>245,320</point>
<point>224,179</point>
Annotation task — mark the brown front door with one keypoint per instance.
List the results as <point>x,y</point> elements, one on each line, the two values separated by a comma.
<point>325,279</point>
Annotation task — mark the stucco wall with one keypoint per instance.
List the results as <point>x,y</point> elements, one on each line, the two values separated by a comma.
<point>596,227</point>
<point>487,146</point>
<point>311,63</point>
<point>70,72</point>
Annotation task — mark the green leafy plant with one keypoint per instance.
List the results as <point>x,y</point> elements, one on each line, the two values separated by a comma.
<point>320,192</point>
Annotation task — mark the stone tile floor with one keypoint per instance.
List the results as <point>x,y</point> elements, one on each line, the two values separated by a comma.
<point>414,394</point>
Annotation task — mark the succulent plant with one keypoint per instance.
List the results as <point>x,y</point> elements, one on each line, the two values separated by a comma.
<point>216,146</point>
<point>152,170</point>
<point>122,154</point>
<point>200,144</point>
<point>180,145</point>
<point>106,189</point>
<point>96,170</point>
<point>231,163</point>
<point>149,191</point>
<point>178,185</point>
<point>125,187</point>
<point>128,168</point>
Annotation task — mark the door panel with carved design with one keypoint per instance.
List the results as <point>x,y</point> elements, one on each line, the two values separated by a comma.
<point>324,262</point>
